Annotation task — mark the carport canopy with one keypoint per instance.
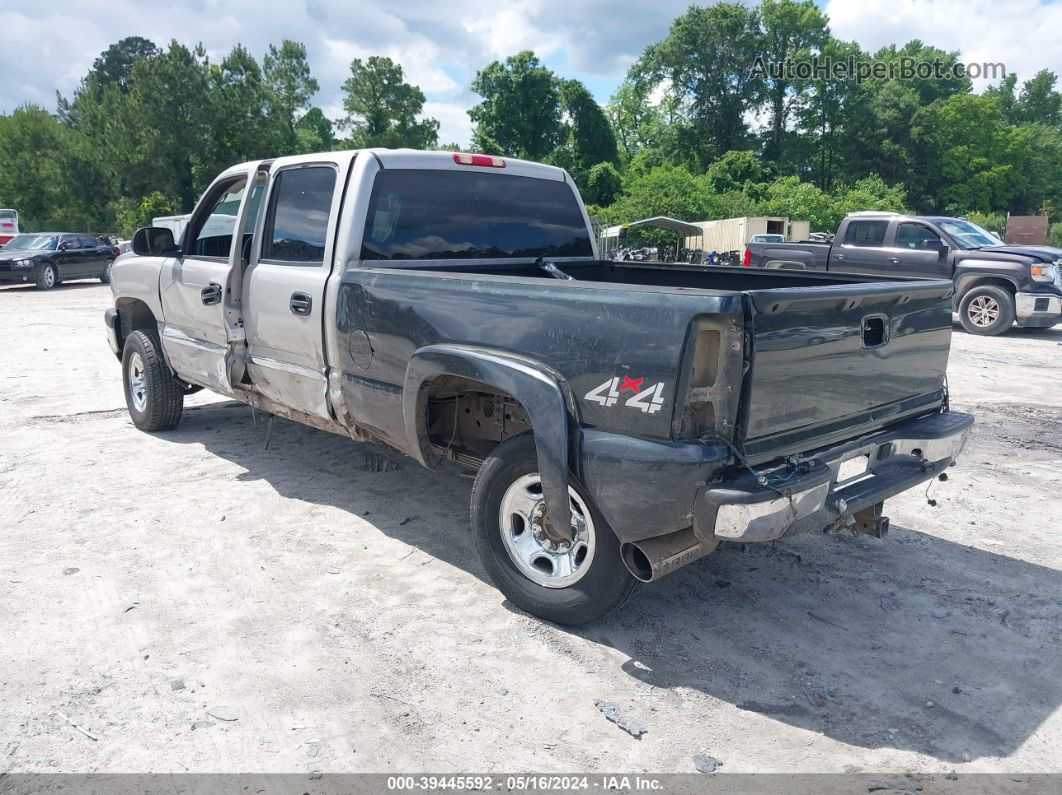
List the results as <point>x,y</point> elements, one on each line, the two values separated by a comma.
<point>681,227</point>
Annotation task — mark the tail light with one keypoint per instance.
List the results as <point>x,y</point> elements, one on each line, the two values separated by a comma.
<point>713,357</point>
<point>117,252</point>
<point>746,261</point>
<point>478,160</point>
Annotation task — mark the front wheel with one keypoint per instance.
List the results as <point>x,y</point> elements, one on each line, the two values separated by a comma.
<point>155,398</point>
<point>565,582</point>
<point>47,277</point>
<point>987,310</point>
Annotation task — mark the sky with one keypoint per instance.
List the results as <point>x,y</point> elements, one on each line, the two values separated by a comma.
<point>50,45</point>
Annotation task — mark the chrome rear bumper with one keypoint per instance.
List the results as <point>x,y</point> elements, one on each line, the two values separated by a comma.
<point>821,492</point>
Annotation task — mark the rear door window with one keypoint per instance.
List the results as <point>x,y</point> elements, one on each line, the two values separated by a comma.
<point>296,228</point>
<point>421,214</point>
<point>865,233</point>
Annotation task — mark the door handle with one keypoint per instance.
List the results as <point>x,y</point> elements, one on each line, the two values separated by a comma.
<point>300,304</point>
<point>840,256</point>
<point>211,294</point>
<point>893,260</point>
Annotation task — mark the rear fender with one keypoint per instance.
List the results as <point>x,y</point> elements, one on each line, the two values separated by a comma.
<point>538,390</point>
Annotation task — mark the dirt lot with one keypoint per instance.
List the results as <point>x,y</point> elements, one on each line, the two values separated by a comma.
<point>332,603</point>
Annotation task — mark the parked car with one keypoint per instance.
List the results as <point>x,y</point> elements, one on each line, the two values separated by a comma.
<point>620,418</point>
<point>8,226</point>
<point>995,284</point>
<point>50,258</point>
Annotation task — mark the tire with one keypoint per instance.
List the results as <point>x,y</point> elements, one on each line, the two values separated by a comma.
<point>153,396</point>
<point>47,276</point>
<point>987,310</point>
<point>595,587</point>
<point>105,277</point>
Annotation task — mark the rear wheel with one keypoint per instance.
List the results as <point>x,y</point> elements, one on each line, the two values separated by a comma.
<point>155,398</point>
<point>987,310</point>
<point>105,277</point>
<point>47,277</point>
<point>566,582</point>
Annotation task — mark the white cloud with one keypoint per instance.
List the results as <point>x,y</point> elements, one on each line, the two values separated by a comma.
<point>1021,34</point>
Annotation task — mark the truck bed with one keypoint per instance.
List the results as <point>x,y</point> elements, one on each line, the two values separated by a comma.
<point>827,355</point>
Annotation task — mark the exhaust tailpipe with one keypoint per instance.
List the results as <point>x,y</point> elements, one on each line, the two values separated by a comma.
<point>653,558</point>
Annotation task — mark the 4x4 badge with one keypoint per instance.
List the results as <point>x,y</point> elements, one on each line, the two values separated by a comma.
<point>650,400</point>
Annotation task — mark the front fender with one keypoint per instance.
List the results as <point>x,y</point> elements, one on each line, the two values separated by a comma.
<point>539,391</point>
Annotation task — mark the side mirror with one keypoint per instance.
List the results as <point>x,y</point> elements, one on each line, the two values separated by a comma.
<point>155,241</point>
<point>938,246</point>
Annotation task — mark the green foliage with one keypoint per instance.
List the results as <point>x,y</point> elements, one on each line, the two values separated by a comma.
<point>733,171</point>
<point>33,147</point>
<point>520,113</point>
<point>133,215</point>
<point>589,138</point>
<point>290,86</point>
<point>382,108</point>
<point>603,184</point>
<point>1054,235</point>
<point>993,222</point>
<point>705,65</point>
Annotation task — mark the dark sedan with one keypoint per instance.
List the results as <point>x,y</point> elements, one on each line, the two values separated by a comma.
<point>49,258</point>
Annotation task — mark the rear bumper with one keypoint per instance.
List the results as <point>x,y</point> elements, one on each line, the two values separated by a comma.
<point>897,458</point>
<point>1037,310</point>
<point>110,319</point>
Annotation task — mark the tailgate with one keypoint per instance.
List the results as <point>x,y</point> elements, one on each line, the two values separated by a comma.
<point>831,363</point>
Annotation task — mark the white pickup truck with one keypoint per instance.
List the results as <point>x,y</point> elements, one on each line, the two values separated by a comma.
<point>621,418</point>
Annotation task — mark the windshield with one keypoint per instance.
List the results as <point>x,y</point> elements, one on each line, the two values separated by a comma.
<point>969,235</point>
<point>32,243</point>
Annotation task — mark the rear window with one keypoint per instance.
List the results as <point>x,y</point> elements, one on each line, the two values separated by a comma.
<point>426,214</point>
<point>866,233</point>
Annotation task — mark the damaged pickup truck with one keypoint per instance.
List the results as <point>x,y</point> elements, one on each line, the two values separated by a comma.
<point>621,419</point>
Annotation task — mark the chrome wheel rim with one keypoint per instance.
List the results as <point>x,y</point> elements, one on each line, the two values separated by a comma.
<point>49,276</point>
<point>983,311</point>
<point>543,561</point>
<point>110,264</point>
<point>137,382</point>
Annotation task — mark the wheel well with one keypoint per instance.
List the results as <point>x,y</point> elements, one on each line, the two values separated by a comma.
<point>135,315</point>
<point>986,282</point>
<point>466,419</point>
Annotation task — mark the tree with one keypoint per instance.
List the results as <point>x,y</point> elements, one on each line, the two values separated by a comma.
<point>733,170</point>
<point>791,29</point>
<point>789,197</point>
<point>111,69</point>
<point>965,155</point>
<point>704,64</point>
<point>286,73</point>
<point>239,119</point>
<point>590,139</point>
<point>827,118</point>
<point>33,146</point>
<point>520,113</point>
<point>315,132</point>
<point>1038,102</point>
<point>382,108</point>
<point>603,184</point>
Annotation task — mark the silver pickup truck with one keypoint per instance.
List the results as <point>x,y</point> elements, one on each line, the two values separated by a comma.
<point>620,418</point>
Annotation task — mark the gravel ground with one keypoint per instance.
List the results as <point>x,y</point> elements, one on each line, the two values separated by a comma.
<point>193,601</point>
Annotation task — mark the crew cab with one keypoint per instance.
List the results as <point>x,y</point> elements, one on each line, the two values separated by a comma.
<point>995,284</point>
<point>48,259</point>
<point>620,418</point>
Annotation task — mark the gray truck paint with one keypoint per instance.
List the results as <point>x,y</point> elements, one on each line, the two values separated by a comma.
<point>613,368</point>
<point>1007,265</point>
